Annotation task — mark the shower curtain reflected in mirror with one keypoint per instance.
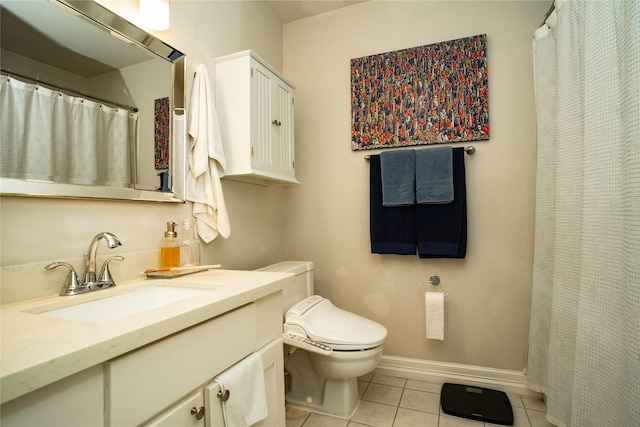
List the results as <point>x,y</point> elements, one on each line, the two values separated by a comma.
<point>48,135</point>
<point>584,341</point>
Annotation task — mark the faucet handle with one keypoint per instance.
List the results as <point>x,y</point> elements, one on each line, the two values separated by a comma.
<point>72,285</point>
<point>105,280</point>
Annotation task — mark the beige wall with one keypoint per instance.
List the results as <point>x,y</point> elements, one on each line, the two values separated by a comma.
<point>38,230</point>
<point>487,311</point>
<point>325,220</point>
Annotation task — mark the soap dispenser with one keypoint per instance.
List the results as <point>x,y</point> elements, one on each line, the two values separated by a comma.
<point>189,246</point>
<point>169,247</point>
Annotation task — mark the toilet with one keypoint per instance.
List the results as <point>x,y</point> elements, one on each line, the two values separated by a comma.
<point>326,348</point>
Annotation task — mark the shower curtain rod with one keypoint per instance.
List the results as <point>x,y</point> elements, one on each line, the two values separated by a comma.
<point>549,12</point>
<point>36,80</point>
<point>470,150</point>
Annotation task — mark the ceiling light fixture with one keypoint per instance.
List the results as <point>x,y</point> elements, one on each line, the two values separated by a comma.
<point>155,14</point>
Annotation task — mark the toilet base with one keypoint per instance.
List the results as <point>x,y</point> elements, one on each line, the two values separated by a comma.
<point>339,398</point>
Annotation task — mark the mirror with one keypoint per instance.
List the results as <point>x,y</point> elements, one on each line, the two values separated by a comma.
<point>66,60</point>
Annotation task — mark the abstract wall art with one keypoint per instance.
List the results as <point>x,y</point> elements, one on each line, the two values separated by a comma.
<point>432,94</point>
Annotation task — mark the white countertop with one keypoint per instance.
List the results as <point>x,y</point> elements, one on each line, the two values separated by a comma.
<point>38,350</point>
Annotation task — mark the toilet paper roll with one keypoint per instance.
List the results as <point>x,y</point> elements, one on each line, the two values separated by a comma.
<point>434,308</point>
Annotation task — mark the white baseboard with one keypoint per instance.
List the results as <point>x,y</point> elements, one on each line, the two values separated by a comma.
<point>512,382</point>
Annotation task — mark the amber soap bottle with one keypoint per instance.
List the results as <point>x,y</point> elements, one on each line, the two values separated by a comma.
<point>169,248</point>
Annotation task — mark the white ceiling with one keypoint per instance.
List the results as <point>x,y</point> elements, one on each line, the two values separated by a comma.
<point>292,10</point>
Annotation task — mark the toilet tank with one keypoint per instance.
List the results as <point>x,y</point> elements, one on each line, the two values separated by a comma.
<point>303,286</point>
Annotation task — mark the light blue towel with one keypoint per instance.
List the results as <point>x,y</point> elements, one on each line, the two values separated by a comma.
<point>434,176</point>
<point>397,168</point>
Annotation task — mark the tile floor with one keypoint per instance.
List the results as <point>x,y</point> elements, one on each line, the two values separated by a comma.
<point>398,402</point>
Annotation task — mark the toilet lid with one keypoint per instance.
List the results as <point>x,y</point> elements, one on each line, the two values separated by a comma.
<point>342,330</point>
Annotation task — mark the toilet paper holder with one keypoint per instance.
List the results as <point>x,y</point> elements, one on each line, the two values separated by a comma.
<point>433,280</point>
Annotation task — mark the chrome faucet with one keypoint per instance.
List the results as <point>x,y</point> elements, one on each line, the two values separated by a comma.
<point>91,280</point>
<point>90,275</point>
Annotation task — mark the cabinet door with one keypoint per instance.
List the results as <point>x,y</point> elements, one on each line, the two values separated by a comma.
<point>183,414</point>
<point>213,406</point>
<point>272,120</point>
<point>261,117</point>
<point>273,365</point>
<point>282,129</point>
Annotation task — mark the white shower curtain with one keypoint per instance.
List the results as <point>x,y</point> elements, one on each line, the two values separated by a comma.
<point>51,136</point>
<point>584,343</point>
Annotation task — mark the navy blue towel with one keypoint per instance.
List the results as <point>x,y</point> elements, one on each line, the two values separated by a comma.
<point>442,229</point>
<point>392,229</point>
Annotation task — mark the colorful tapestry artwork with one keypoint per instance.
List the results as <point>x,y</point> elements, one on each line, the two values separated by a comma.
<point>432,94</point>
<point>161,133</point>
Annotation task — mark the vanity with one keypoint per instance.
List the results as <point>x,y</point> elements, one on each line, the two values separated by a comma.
<point>144,353</point>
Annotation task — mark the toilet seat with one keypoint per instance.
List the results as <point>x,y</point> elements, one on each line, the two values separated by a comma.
<point>342,330</point>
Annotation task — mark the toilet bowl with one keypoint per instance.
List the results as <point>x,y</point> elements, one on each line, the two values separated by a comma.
<point>326,348</point>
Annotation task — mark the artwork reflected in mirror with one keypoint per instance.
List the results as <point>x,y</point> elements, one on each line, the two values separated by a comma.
<point>88,105</point>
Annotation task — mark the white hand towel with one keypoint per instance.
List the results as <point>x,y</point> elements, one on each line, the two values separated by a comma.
<point>206,162</point>
<point>434,307</point>
<point>247,403</point>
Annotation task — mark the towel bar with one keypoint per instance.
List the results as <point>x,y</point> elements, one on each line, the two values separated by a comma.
<point>470,150</point>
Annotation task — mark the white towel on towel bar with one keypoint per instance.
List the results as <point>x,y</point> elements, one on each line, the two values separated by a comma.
<point>206,162</point>
<point>247,403</point>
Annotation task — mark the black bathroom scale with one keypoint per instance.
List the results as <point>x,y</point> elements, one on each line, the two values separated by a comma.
<point>476,403</point>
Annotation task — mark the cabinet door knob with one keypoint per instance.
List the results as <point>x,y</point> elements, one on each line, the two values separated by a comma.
<point>199,413</point>
<point>276,123</point>
<point>224,396</point>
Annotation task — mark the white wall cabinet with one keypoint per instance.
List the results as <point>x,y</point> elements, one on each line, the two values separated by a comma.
<point>255,107</point>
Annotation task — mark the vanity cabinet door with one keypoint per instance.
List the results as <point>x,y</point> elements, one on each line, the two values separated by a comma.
<point>187,413</point>
<point>273,365</point>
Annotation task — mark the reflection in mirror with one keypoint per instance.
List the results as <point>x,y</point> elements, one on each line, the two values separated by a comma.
<point>92,106</point>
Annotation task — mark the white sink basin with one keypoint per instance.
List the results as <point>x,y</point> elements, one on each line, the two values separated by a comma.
<point>123,305</point>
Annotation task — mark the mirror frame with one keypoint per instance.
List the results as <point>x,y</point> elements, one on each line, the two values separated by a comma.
<point>110,21</point>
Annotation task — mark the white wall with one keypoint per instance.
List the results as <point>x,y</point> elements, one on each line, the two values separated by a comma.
<point>39,230</point>
<point>487,311</point>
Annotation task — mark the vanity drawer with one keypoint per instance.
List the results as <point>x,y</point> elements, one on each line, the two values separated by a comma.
<point>144,382</point>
